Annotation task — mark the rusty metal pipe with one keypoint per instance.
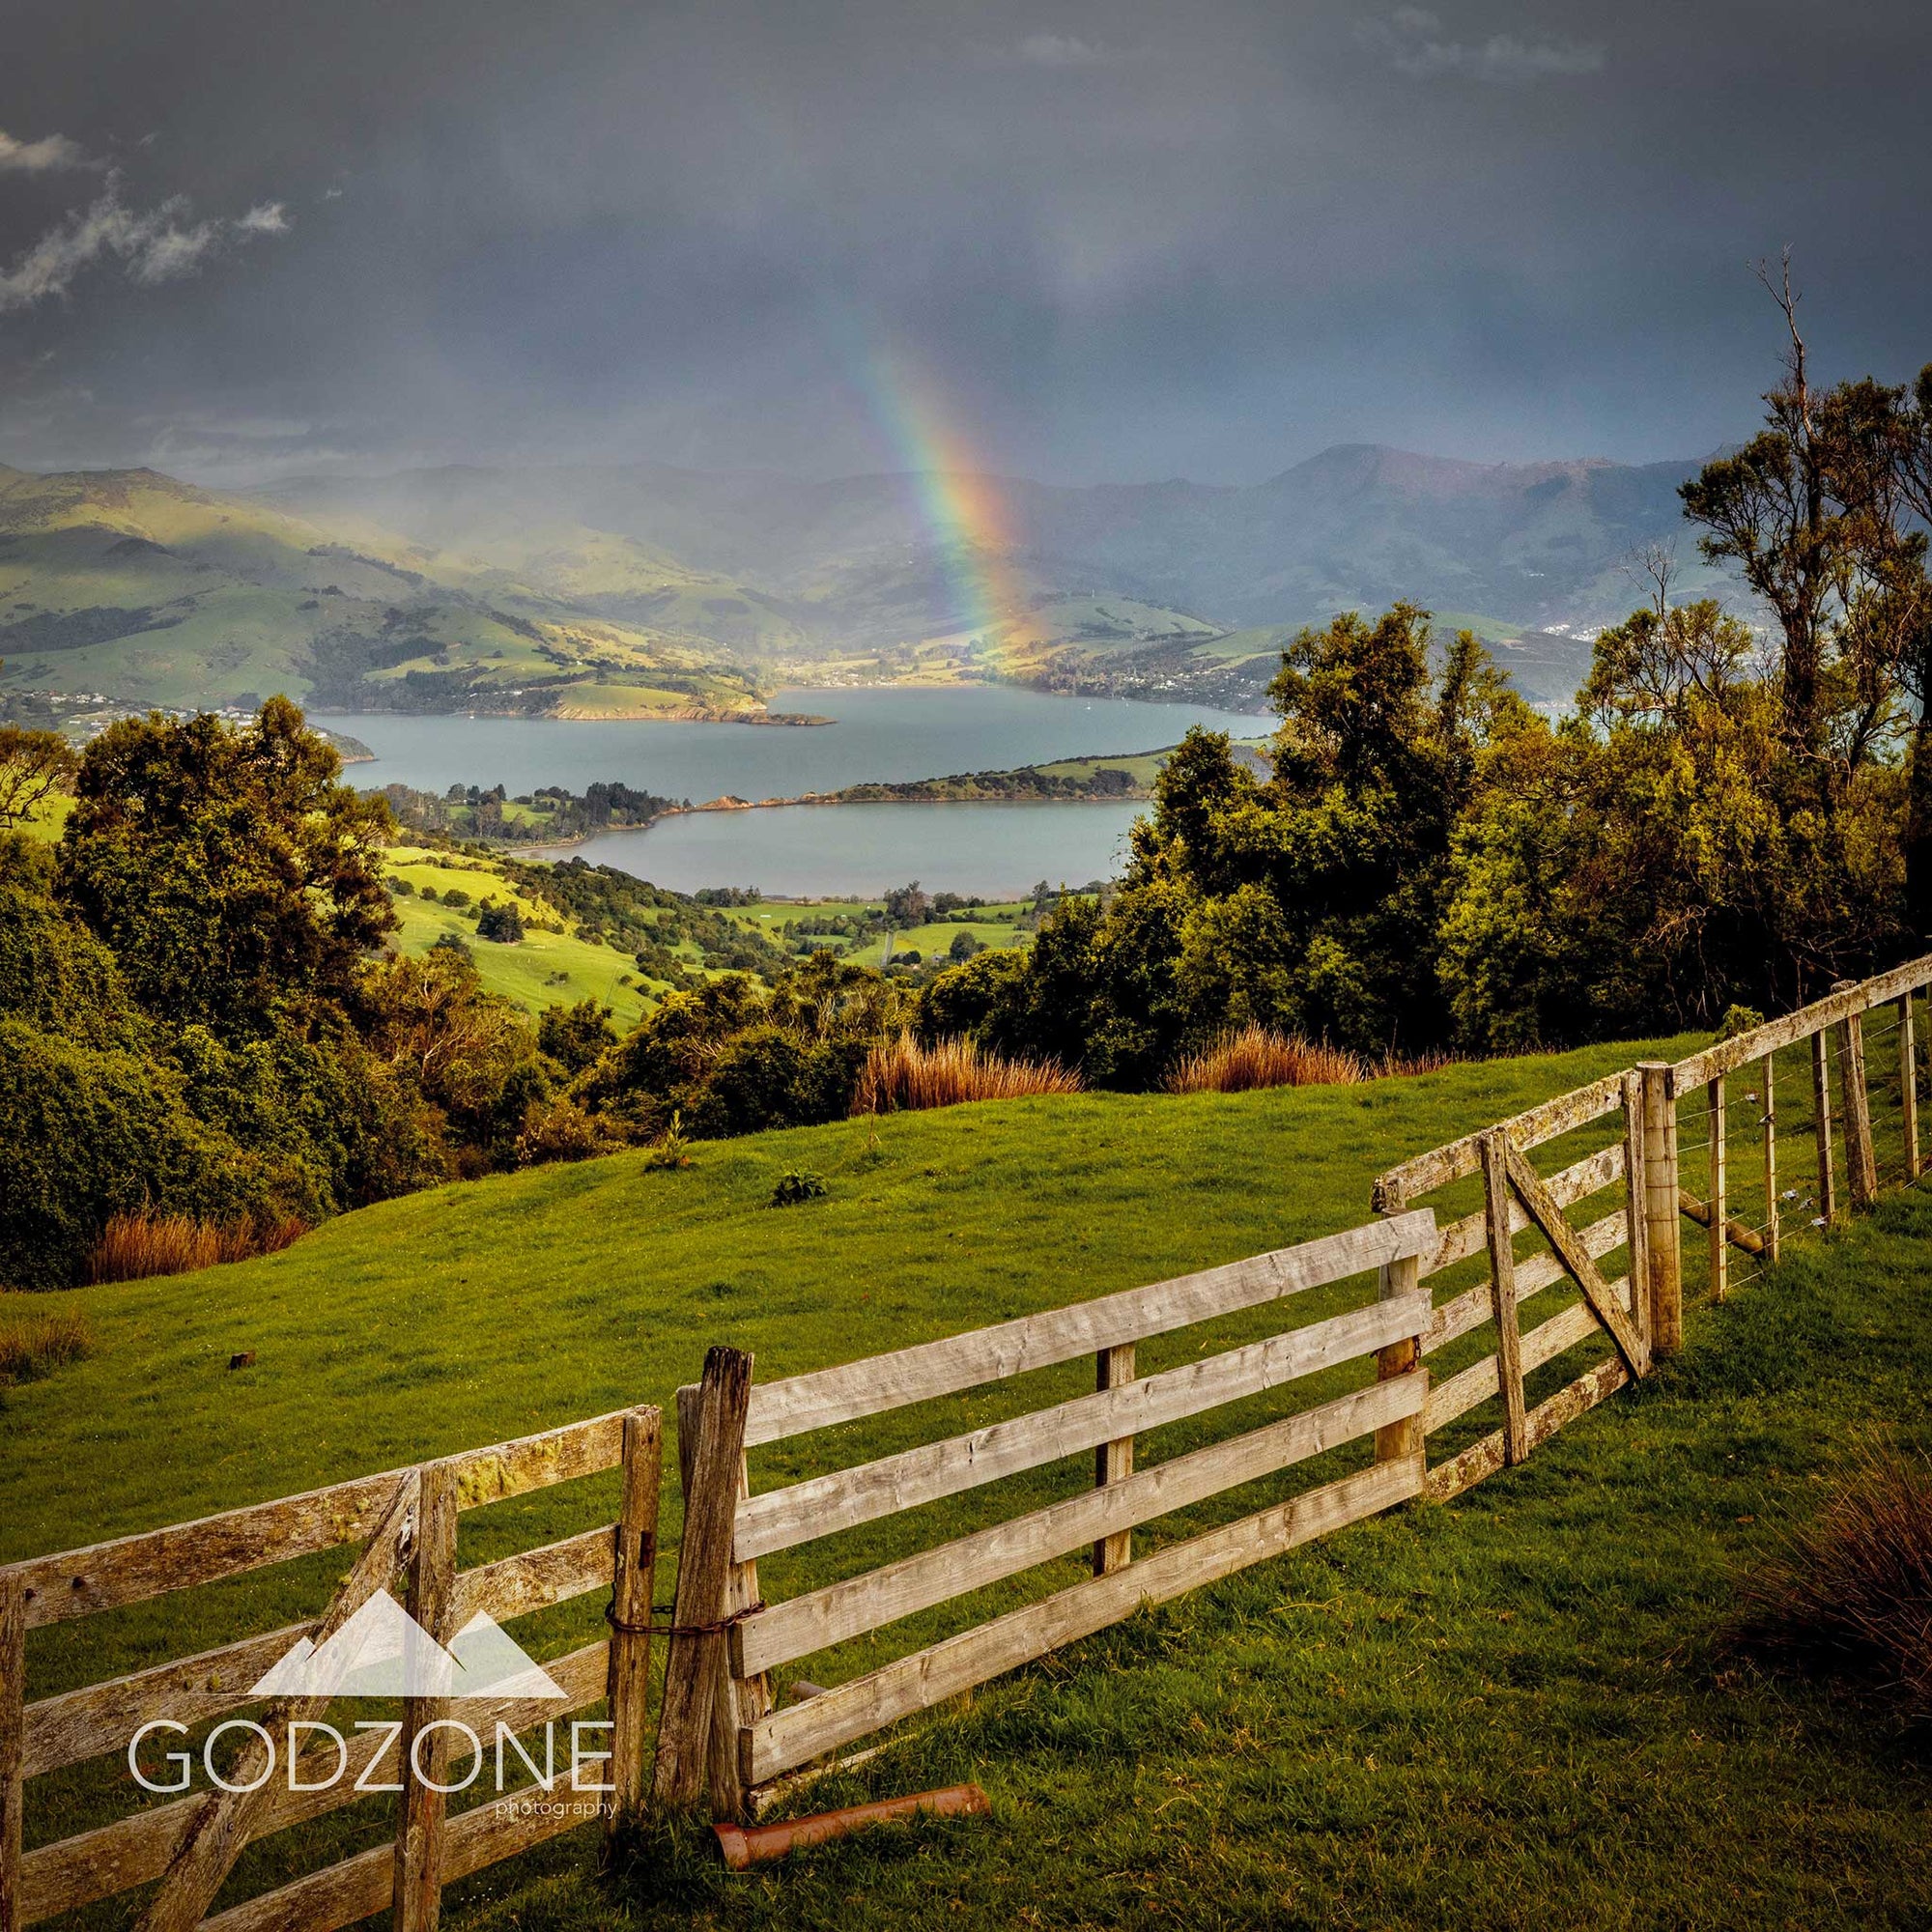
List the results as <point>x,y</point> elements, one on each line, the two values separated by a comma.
<point>744,1846</point>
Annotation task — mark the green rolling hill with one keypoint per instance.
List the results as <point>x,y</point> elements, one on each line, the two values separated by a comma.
<point>640,590</point>
<point>152,591</point>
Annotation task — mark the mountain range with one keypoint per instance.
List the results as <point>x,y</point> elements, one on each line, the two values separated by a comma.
<point>642,589</point>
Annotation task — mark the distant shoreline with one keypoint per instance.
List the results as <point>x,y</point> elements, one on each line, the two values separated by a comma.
<point>536,847</point>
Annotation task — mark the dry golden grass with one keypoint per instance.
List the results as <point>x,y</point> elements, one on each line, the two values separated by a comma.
<point>1852,1591</point>
<point>901,1075</point>
<point>1257,1056</point>
<point>132,1246</point>
<point>42,1344</point>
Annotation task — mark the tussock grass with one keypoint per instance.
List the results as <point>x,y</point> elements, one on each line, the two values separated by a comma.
<point>903,1076</point>
<point>134,1246</point>
<point>35,1348</point>
<point>1257,1056</point>
<point>1851,1593</point>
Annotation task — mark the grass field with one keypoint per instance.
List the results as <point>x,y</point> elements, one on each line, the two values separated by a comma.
<point>1508,1712</point>
<point>993,927</point>
<point>542,969</point>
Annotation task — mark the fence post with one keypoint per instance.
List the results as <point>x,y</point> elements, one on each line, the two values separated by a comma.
<point>432,1590</point>
<point>1719,1245</point>
<point>1908,1086</point>
<point>1114,1462</point>
<point>1861,1167</point>
<point>13,1742</point>
<point>1502,1296</point>
<point>714,1454</point>
<point>739,1700</point>
<point>1821,1113</point>
<point>1637,1224</point>
<point>630,1673</point>
<point>1661,1207</point>
<point>1398,1441</point>
<point>1770,1131</point>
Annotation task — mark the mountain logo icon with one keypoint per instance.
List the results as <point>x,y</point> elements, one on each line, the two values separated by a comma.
<point>382,1651</point>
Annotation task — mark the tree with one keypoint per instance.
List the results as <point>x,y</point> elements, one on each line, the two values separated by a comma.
<point>1815,512</point>
<point>228,870</point>
<point>504,924</point>
<point>575,1037</point>
<point>33,766</point>
<point>906,906</point>
<point>1766,509</point>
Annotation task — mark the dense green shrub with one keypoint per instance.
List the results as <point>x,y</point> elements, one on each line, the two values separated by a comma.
<point>797,1185</point>
<point>86,1132</point>
<point>575,1037</point>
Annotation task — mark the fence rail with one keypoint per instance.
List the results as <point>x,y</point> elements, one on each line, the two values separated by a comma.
<point>1725,1118</point>
<point>405,1521</point>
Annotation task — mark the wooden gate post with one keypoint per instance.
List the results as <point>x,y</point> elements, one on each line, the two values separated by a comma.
<point>12,1741</point>
<point>1636,1222</point>
<point>1114,1462</point>
<point>1497,1216</point>
<point>432,1591</point>
<point>1719,1239</point>
<point>1399,1441</point>
<point>1821,1117</point>
<point>636,1562</point>
<point>1908,1086</point>
<point>695,1657</point>
<point>1769,1097</point>
<point>1861,1165</point>
<point>1661,1207</point>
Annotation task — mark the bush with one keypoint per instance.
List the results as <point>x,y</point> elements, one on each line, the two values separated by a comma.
<point>796,1185</point>
<point>575,1037</point>
<point>1258,1057</point>
<point>904,1075</point>
<point>559,1129</point>
<point>403,888</point>
<point>1851,1594</point>
<point>503,923</point>
<point>134,1246</point>
<point>672,1148</point>
<point>455,896</point>
<point>429,893</point>
<point>35,1347</point>
<point>86,1133</point>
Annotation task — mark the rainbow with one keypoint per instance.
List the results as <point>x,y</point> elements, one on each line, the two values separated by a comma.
<point>961,504</point>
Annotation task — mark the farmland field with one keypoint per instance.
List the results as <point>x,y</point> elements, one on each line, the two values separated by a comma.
<point>1413,1720</point>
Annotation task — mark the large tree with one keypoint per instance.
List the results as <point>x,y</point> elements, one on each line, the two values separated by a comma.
<point>228,870</point>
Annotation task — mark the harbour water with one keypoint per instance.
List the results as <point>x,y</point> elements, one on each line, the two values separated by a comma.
<point>883,733</point>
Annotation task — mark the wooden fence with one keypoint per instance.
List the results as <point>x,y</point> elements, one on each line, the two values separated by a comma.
<point>722,1732</point>
<point>1646,1157</point>
<point>721,1729</point>
<point>406,1521</point>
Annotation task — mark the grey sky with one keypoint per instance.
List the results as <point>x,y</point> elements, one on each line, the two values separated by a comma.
<point>1117,241</point>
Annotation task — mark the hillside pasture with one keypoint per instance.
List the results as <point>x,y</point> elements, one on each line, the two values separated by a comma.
<point>1443,1718</point>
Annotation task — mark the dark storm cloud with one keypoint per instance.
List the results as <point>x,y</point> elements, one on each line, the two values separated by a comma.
<point>1122,241</point>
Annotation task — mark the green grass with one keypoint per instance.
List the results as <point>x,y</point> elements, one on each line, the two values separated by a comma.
<point>1508,1712</point>
<point>930,941</point>
<point>542,969</point>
